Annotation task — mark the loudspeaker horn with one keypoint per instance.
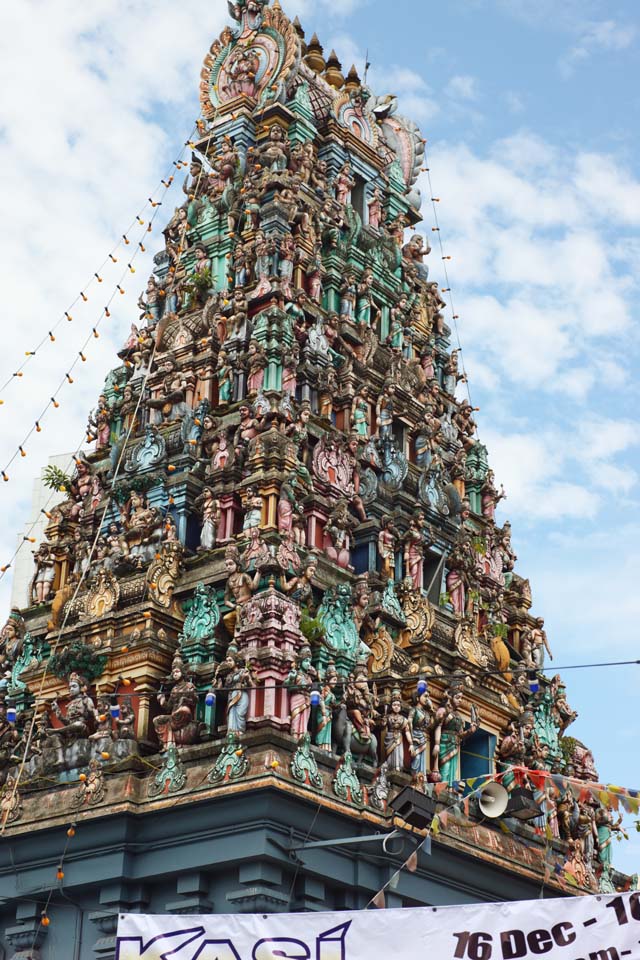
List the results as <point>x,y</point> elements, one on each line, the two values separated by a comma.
<point>493,801</point>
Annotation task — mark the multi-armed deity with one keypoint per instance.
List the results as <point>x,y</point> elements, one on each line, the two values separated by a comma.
<point>288,426</point>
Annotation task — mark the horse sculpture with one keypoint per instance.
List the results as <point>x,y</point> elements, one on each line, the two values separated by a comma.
<point>344,740</point>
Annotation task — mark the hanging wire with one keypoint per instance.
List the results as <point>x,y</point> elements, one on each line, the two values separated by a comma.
<point>90,555</point>
<point>96,277</point>
<point>448,290</point>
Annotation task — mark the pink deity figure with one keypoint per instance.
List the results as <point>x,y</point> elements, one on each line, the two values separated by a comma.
<point>256,363</point>
<point>455,589</point>
<point>222,453</point>
<point>344,184</point>
<point>375,209</point>
<point>290,371</point>
<point>490,496</point>
<point>414,554</point>
<point>426,362</point>
<point>299,682</point>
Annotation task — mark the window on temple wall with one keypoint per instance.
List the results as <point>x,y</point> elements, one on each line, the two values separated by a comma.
<point>477,755</point>
<point>359,197</point>
<point>399,435</point>
<point>433,573</point>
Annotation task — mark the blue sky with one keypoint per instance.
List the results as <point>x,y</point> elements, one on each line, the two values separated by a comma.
<point>530,109</point>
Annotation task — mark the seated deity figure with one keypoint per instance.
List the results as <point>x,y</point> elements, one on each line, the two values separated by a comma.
<point>81,716</point>
<point>178,725</point>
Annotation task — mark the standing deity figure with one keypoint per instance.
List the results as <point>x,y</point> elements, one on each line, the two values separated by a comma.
<point>263,250</point>
<point>224,376</point>
<point>449,732</point>
<point>299,682</point>
<point>239,589</point>
<point>42,583</point>
<point>397,732</point>
<point>491,496</point>
<point>344,184</point>
<point>384,412</point>
<point>420,719</point>
<point>178,725</point>
<point>366,310</point>
<point>256,363</point>
<point>207,505</point>
<point>234,676</point>
<point>360,413</point>
<point>375,208</point>
<point>253,510</point>
<point>328,703</point>
<point>606,826</point>
<point>286,258</point>
<point>348,296</point>
<point>291,504</point>
<point>387,543</point>
<point>414,551</point>
<point>291,362</point>
<point>81,716</point>
<point>534,644</point>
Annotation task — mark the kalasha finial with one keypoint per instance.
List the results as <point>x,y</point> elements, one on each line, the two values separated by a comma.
<point>353,80</point>
<point>333,74</point>
<point>314,57</point>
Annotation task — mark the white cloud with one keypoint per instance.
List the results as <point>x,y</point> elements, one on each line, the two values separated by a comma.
<point>515,102</point>
<point>462,87</point>
<point>594,37</point>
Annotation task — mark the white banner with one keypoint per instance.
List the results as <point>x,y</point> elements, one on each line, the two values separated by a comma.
<point>576,928</point>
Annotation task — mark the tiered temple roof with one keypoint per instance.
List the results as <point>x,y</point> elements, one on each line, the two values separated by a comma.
<point>278,561</point>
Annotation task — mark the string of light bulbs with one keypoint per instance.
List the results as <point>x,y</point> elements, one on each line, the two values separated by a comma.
<point>97,277</point>
<point>80,355</point>
<point>94,543</point>
<point>445,258</point>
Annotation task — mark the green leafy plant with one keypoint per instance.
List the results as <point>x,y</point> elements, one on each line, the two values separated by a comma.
<point>500,630</point>
<point>79,658</point>
<point>310,627</point>
<point>199,284</point>
<point>56,479</point>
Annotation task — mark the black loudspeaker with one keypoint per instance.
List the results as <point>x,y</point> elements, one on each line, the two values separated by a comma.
<point>414,807</point>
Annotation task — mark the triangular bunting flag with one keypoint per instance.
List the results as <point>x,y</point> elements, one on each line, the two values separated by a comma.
<point>412,863</point>
<point>379,901</point>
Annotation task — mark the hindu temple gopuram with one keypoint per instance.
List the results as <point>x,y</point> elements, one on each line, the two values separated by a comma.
<point>276,594</point>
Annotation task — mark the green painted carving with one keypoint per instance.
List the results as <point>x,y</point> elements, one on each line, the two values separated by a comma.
<point>232,762</point>
<point>390,602</point>
<point>30,655</point>
<point>346,785</point>
<point>303,764</point>
<point>203,617</point>
<point>336,616</point>
<point>171,777</point>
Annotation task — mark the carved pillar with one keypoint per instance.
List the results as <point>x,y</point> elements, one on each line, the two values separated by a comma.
<point>271,638</point>
<point>192,889</point>
<point>116,898</point>
<point>26,937</point>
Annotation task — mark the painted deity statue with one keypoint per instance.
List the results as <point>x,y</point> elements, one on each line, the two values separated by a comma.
<point>209,508</point>
<point>178,724</point>
<point>449,732</point>
<point>234,676</point>
<point>420,719</point>
<point>397,733</point>
<point>81,715</point>
<point>328,703</point>
<point>299,682</point>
